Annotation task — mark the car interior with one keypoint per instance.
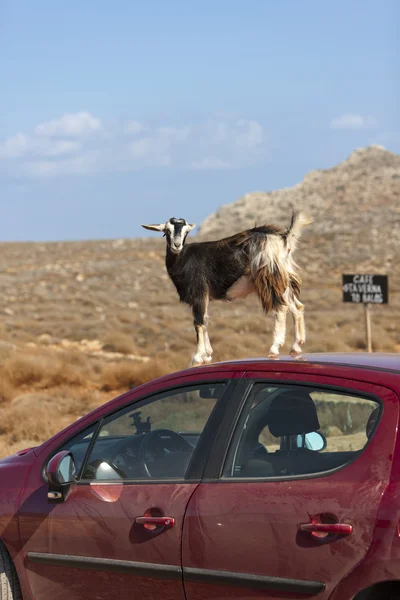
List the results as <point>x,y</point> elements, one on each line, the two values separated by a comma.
<point>289,414</point>
<point>158,453</point>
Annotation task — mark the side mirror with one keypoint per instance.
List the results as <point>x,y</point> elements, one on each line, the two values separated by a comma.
<point>314,440</point>
<point>61,474</point>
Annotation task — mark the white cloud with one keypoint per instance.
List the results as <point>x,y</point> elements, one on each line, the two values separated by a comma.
<point>252,134</point>
<point>15,146</point>
<point>63,146</point>
<point>174,134</point>
<point>57,147</point>
<point>157,147</point>
<point>20,145</point>
<point>134,127</point>
<point>353,121</point>
<point>73,124</point>
<point>78,165</point>
<point>220,133</point>
<point>148,152</point>
<point>210,164</point>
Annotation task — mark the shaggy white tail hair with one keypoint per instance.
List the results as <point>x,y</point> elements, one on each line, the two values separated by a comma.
<point>298,222</point>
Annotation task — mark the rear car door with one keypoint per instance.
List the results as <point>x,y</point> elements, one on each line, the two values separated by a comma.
<point>139,463</point>
<point>275,518</point>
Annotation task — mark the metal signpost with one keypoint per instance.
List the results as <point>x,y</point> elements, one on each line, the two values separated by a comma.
<point>366,290</point>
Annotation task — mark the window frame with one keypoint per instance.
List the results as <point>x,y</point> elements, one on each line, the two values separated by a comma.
<point>96,424</point>
<point>201,452</point>
<point>218,458</point>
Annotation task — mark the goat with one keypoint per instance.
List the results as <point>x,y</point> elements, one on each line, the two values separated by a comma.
<point>258,260</point>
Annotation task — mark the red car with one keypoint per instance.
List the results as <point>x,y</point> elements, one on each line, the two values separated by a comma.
<point>247,479</point>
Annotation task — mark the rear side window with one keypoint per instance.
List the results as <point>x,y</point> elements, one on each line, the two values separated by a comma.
<point>291,430</point>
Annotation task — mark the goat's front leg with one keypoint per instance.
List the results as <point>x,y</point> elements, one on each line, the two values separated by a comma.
<point>279,334</point>
<point>204,350</point>
<point>297,310</point>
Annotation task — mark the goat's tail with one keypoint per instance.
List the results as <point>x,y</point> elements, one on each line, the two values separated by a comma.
<point>298,222</point>
<point>272,268</point>
<point>269,272</point>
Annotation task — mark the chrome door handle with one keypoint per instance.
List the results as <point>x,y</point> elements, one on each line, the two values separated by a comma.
<point>327,528</point>
<point>152,522</point>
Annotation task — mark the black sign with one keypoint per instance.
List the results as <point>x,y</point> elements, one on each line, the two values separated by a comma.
<point>365,289</point>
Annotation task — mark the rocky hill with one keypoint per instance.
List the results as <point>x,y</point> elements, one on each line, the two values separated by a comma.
<point>356,211</point>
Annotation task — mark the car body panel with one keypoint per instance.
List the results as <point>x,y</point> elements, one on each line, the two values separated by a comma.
<point>252,526</point>
<point>98,521</point>
<point>95,527</point>
<point>382,562</point>
<point>14,471</point>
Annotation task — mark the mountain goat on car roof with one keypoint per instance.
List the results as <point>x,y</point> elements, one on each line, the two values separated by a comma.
<point>258,260</point>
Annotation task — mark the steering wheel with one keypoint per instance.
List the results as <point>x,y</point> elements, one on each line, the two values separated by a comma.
<point>156,437</point>
<point>122,448</point>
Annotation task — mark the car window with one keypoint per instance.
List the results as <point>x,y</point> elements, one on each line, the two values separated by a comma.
<point>292,430</point>
<point>154,438</point>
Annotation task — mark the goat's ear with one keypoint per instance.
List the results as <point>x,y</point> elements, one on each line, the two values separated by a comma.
<point>160,227</point>
<point>191,226</point>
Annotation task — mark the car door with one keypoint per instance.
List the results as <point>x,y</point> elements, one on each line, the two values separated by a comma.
<point>103,542</point>
<point>274,518</point>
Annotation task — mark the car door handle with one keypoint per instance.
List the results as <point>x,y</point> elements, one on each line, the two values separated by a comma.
<point>155,521</point>
<point>327,528</point>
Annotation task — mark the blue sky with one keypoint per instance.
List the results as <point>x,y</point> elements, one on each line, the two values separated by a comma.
<point>117,114</point>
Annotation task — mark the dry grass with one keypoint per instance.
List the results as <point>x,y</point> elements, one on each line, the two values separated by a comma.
<point>6,391</point>
<point>124,375</point>
<point>41,393</point>
<point>41,371</point>
<point>119,342</point>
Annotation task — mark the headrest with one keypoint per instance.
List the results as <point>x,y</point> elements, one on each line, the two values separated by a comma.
<point>292,413</point>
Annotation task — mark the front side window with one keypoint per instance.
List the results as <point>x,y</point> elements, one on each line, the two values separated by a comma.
<point>290,430</point>
<point>78,446</point>
<point>154,438</point>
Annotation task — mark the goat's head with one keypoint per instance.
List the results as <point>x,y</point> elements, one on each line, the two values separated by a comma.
<point>175,230</point>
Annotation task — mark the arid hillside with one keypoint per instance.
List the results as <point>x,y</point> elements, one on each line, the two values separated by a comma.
<point>356,211</point>
<point>81,322</point>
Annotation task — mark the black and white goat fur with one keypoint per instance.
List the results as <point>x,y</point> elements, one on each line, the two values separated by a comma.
<point>258,260</point>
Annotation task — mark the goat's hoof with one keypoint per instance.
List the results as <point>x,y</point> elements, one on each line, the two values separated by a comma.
<point>207,359</point>
<point>197,360</point>
<point>295,351</point>
<point>273,355</point>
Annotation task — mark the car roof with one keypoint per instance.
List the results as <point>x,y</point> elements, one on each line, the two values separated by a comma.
<point>374,360</point>
<point>385,362</point>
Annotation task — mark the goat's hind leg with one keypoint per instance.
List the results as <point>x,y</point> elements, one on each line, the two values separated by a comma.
<point>200,318</point>
<point>297,310</point>
<point>273,296</point>
<point>279,334</point>
<point>209,350</point>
